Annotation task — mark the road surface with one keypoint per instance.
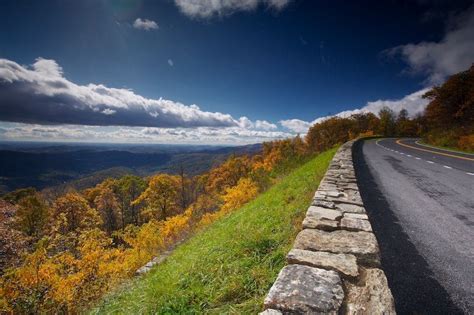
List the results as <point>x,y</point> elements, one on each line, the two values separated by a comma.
<point>421,204</point>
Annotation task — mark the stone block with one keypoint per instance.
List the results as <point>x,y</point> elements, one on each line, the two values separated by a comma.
<point>353,224</point>
<point>363,245</point>
<point>306,290</point>
<point>323,213</point>
<point>362,216</point>
<point>346,264</point>
<point>371,295</point>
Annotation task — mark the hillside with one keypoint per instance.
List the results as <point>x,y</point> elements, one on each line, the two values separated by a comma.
<point>81,166</point>
<point>229,266</point>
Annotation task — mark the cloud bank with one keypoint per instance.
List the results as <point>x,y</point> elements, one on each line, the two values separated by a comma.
<point>38,103</point>
<point>200,135</point>
<point>210,8</point>
<point>145,24</point>
<point>452,54</point>
<point>413,103</point>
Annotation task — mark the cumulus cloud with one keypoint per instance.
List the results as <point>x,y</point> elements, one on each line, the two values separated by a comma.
<point>264,125</point>
<point>413,103</point>
<point>145,24</point>
<point>41,94</point>
<point>452,54</point>
<point>209,8</point>
<point>296,125</point>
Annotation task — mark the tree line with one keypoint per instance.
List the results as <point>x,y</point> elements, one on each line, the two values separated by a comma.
<point>59,254</point>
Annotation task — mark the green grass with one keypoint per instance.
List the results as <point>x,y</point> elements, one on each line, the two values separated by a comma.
<point>230,266</point>
<point>448,148</point>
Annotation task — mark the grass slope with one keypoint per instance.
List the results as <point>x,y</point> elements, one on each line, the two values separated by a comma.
<point>447,148</point>
<point>229,267</point>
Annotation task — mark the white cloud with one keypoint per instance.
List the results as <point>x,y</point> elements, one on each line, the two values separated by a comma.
<point>38,103</point>
<point>413,103</point>
<point>41,94</point>
<point>265,125</point>
<point>452,54</point>
<point>170,62</point>
<point>145,24</point>
<point>296,125</point>
<point>209,8</point>
<point>201,135</point>
<point>108,111</point>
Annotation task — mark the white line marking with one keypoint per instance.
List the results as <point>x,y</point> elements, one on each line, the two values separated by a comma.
<point>448,167</point>
<point>417,158</point>
<point>409,155</point>
<point>431,162</point>
<point>472,174</point>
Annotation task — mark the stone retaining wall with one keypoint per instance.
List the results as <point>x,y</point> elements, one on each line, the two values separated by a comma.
<point>334,266</point>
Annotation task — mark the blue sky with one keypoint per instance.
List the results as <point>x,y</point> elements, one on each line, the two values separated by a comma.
<point>257,70</point>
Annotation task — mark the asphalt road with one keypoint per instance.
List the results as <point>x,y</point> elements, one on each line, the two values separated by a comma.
<point>421,205</point>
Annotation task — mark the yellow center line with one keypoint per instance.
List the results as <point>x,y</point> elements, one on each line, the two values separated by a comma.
<point>435,152</point>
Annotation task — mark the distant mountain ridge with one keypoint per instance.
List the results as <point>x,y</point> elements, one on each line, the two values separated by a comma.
<point>45,166</point>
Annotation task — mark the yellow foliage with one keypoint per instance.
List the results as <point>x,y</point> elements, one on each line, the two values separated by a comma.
<point>79,261</point>
<point>236,196</point>
<point>161,196</point>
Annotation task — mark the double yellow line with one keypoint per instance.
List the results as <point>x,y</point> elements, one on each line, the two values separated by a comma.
<point>435,152</point>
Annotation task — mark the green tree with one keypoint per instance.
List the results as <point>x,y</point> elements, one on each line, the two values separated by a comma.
<point>127,189</point>
<point>32,215</point>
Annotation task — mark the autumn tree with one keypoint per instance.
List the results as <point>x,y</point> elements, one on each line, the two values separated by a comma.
<point>32,215</point>
<point>13,243</point>
<point>406,127</point>
<point>184,194</point>
<point>75,212</point>
<point>127,189</point>
<point>71,216</point>
<point>15,196</point>
<point>107,206</point>
<point>328,133</point>
<point>450,113</point>
<point>161,196</point>
<point>228,173</point>
<point>365,123</point>
<point>387,126</point>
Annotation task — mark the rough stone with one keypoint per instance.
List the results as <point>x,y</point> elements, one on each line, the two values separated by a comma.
<point>323,213</point>
<point>361,244</point>
<point>343,198</point>
<point>362,216</point>
<point>343,263</point>
<point>322,218</point>
<point>323,203</point>
<point>353,224</point>
<point>347,207</point>
<point>370,296</point>
<point>271,312</point>
<point>314,223</point>
<point>303,289</point>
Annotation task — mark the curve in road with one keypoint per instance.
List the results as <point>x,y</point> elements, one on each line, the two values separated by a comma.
<point>421,205</point>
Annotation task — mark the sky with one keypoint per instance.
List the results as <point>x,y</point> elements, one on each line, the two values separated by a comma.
<point>218,71</point>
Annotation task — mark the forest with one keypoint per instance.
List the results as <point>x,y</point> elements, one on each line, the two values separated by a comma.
<point>61,253</point>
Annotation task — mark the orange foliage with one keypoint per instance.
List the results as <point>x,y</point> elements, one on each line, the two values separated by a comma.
<point>466,142</point>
